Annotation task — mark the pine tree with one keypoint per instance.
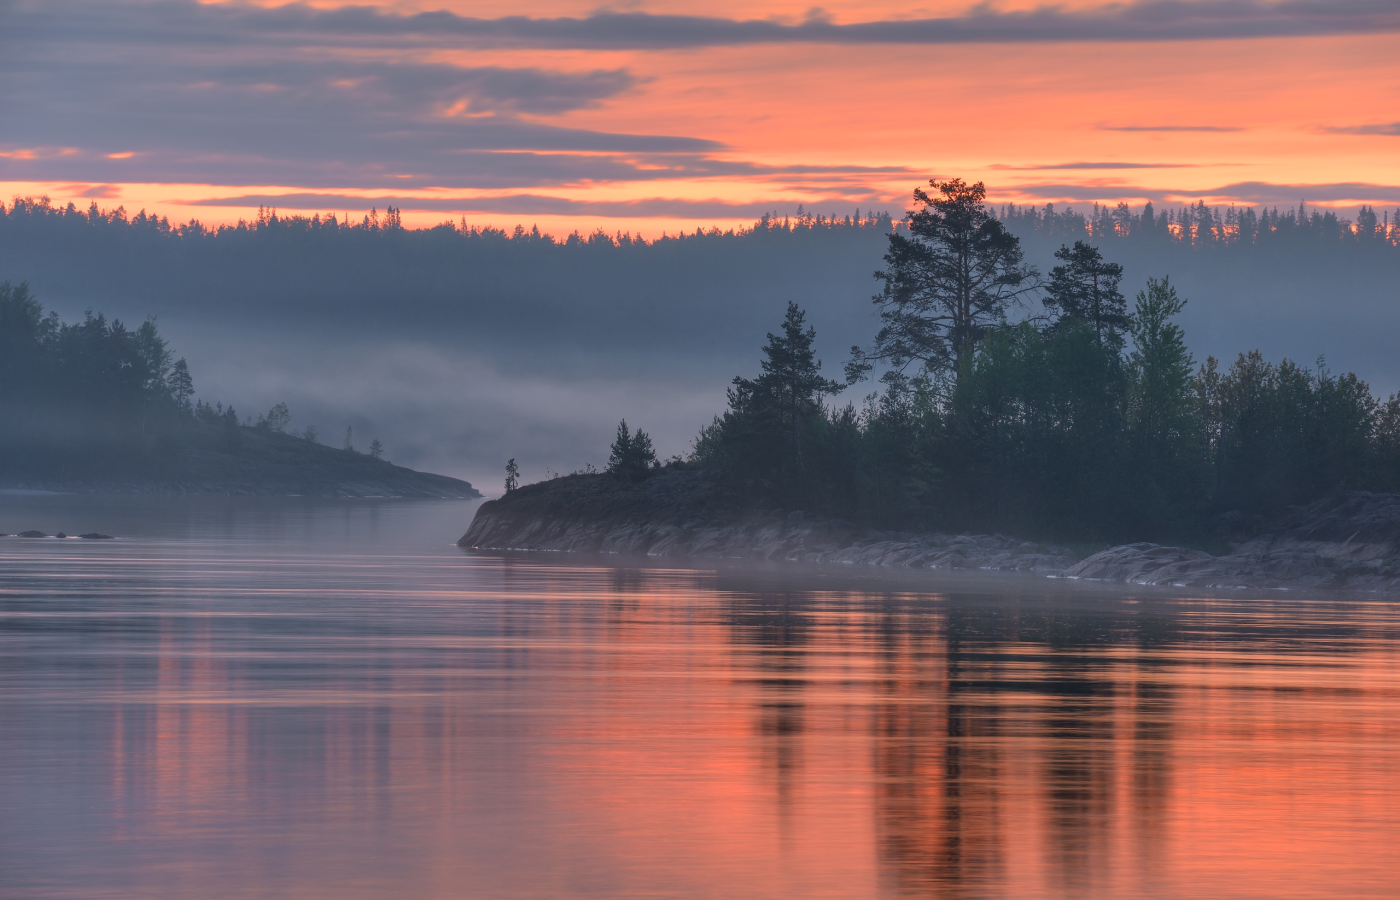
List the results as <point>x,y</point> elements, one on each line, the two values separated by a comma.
<point>376,449</point>
<point>1086,288</point>
<point>945,285</point>
<point>512,475</point>
<point>181,385</point>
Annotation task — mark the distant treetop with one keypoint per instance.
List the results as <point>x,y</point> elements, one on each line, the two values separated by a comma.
<point>1197,225</point>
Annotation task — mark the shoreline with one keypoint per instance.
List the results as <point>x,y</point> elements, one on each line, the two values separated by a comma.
<point>1346,544</point>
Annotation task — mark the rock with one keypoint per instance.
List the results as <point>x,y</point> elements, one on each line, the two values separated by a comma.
<point>60,535</point>
<point>32,534</point>
<point>1349,542</point>
<point>680,513</point>
<point>96,536</point>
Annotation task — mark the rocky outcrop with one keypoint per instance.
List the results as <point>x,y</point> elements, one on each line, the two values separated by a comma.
<point>1350,542</point>
<point>679,513</point>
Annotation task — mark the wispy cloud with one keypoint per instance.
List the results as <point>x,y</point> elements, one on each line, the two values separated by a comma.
<point>183,21</point>
<point>1246,192</point>
<point>1169,128</point>
<point>1091,166</point>
<point>1391,129</point>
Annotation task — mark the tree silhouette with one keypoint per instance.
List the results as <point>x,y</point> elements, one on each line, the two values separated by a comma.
<point>632,457</point>
<point>1086,288</point>
<point>945,284</point>
<point>788,393</point>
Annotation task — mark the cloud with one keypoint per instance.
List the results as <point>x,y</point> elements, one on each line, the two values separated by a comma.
<point>520,204</point>
<point>185,22</point>
<point>1250,192</point>
<point>1391,129</point>
<point>177,92</point>
<point>129,113</point>
<point>1170,128</point>
<point>93,191</point>
<point>1096,166</point>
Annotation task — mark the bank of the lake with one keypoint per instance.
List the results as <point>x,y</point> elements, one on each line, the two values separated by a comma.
<point>241,461</point>
<point>1349,542</point>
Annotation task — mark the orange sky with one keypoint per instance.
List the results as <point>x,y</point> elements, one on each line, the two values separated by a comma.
<point>874,119</point>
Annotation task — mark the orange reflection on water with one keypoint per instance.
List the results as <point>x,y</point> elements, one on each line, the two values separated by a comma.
<point>482,727</point>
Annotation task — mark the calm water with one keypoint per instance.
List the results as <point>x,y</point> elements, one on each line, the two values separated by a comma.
<point>302,700</point>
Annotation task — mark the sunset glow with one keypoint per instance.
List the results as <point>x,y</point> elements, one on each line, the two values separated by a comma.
<point>671,116</point>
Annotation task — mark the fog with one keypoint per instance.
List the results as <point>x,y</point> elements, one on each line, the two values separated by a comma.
<point>461,351</point>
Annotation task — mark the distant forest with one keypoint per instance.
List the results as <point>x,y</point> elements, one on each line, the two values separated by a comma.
<point>1200,225</point>
<point>682,312</point>
<point>706,289</point>
<point>1078,417</point>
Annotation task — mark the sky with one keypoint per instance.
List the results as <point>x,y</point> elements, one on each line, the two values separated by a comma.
<point>660,116</point>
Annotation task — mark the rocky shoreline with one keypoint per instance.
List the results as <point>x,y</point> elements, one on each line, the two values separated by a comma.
<point>1349,543</point>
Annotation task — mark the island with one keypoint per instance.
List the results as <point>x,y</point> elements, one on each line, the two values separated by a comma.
<point>1025,421</point>
<point>244,461</point>
<point>94,406</point>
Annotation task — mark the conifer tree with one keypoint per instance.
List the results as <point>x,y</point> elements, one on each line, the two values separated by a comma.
<point>1085,287</point>
<point>945,285</point>
<point>632,456</point>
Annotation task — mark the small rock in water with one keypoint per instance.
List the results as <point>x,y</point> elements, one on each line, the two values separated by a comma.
<point>96,536</point>
<point>32,533</point>
<point>61,534</point>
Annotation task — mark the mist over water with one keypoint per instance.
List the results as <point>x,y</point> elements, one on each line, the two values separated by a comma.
<point>250,698</point>
<point>458,354</point>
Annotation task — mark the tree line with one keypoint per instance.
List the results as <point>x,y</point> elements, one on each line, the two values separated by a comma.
<point>1198,225</point>
<point>1036,403</point>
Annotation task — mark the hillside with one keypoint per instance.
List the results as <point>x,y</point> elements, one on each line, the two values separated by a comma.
<point>241,461</point>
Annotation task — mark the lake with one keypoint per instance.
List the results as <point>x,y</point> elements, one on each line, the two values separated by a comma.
<point>317,699</point>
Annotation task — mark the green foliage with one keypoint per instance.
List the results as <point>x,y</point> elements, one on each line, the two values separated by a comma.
<point>1085,288</point>
<point>775,434</point>
<point>1061,431</point>
<point>1282,435</point>
<point>632,457</point>
<point>946,284</point>
<point>93,401</point>
<point>275,419</point>
<point>86,396</point>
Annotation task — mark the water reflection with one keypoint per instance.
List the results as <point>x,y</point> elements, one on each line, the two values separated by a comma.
<point>331,702</point>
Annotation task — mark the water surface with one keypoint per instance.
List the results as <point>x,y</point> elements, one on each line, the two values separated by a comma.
<point>310,699</point>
